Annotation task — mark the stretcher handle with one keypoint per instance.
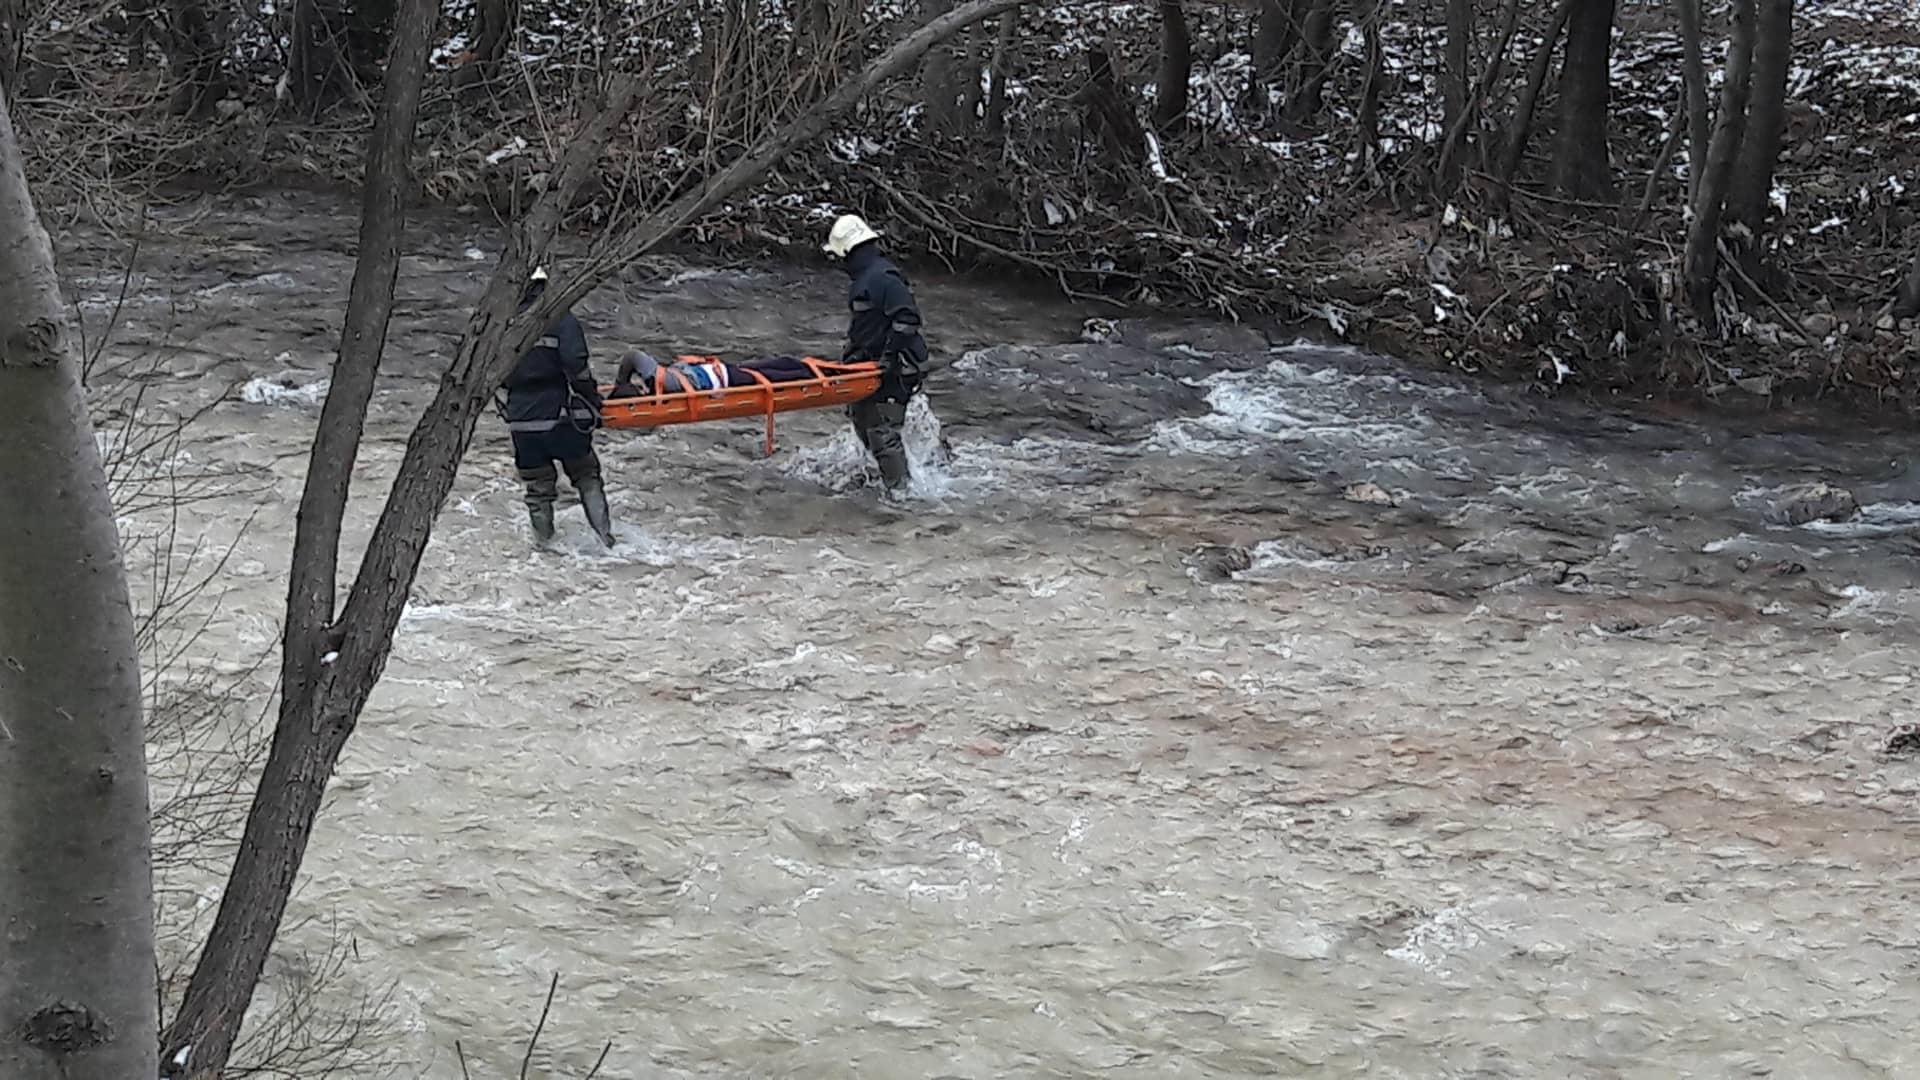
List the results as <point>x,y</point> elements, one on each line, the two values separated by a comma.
<point>765,386</point>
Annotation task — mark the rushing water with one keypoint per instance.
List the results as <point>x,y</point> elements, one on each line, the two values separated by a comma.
<point>1213,710</point>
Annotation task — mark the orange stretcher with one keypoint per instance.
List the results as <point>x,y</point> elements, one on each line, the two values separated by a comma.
<point>677,401</point>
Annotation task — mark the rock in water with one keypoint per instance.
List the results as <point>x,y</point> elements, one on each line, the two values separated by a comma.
<point>1815,502</point>
<point>1218,562</point>
<point>1099,331</point>
<point>1369,493</point>
<point>1904,741</point>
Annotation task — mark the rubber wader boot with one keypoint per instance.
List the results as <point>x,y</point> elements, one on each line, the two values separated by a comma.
<point>543,486</point>
<point>593,500</point>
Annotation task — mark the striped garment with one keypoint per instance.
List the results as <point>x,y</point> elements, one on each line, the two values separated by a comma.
<point>706,376</point>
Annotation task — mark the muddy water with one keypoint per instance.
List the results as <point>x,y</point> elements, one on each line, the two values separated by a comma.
<point>1143,743</point>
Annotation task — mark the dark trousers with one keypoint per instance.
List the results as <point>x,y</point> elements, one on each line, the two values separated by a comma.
<point>535,454</point>
<point>880,420</point>
<point>879,423</point>
<point>775,368</point>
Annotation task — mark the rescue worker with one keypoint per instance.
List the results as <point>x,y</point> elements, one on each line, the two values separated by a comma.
<point>553,405</point>
<point>884,326</point>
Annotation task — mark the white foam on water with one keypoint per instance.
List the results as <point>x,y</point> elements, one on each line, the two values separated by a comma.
<point>704,274</point>
<point>1861,601</point>
<point>975,362</point>
<point>1287,403</point>
<point>1875,519</point>
<point>1541,486</point>
<point>1332,376</point>
<point>800,654</point>
<point>1443,936</point>
<point>1754,496</point>
<point>276,281</point>
<point>479,613</point>
<point>841,464</point>
<point>1271,555</point>
<point>108,302</point>
<point>134,463</point>
<point>282,390</point>
<point>639,544</point>
<point>838,464</point>
<point>1301,344</point>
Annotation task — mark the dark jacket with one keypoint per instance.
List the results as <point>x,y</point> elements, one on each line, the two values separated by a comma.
<point>885,322</point>
<point>553,384</point>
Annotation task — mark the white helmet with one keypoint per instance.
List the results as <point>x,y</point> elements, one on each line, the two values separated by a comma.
<point>849,231</point>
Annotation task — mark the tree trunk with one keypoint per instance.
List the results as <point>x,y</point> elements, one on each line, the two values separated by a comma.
<point>316,67</point>
<point>493,26</point>
<point>197,51</point>
<point>1310,75</point>
<point>1276,29</point>
<point>750,85</point>
<point>1752,186</point>
<point>1694,71</point>
<point>1703,236</point>
<point>810,49</point>
<point>1496,67</point>
<point>369,35</point>
<point>1176,68</point>
<point>312,726</point>
<point>12,45</point>
<point>1522,130</point>
<point>939,80</point>
<point>815,25</point>
<point>1454,84</point>
<point>972,46</point>
<point>996,119</point>
<point>735,103</point>
<point>1581,168</point>
<point>77,997</point>
<point>1661,162</point>
<point>142,30</point>
<point>330,665</point>
<point>1368,121</point>
<point>1109,116</point>
<point>1906,303</point>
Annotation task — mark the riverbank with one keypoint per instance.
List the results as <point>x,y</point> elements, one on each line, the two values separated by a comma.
<point>1282,223</point>
<point>1034,315</point>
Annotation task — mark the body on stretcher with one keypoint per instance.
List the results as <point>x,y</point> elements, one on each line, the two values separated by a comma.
<point>673,396</point>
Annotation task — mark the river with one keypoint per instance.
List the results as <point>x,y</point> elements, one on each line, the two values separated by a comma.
<point>1216,708</point>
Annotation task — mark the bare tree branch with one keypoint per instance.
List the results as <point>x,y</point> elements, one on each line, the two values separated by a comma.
<point>1694,93</point>
<point>647,233</point>
<point>1703,235</point>
<point>1522,128</point>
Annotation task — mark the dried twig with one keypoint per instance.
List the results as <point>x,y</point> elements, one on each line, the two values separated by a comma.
<point>598,1062</point>
<point>1739,271</point>
<point>540,1026</point>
